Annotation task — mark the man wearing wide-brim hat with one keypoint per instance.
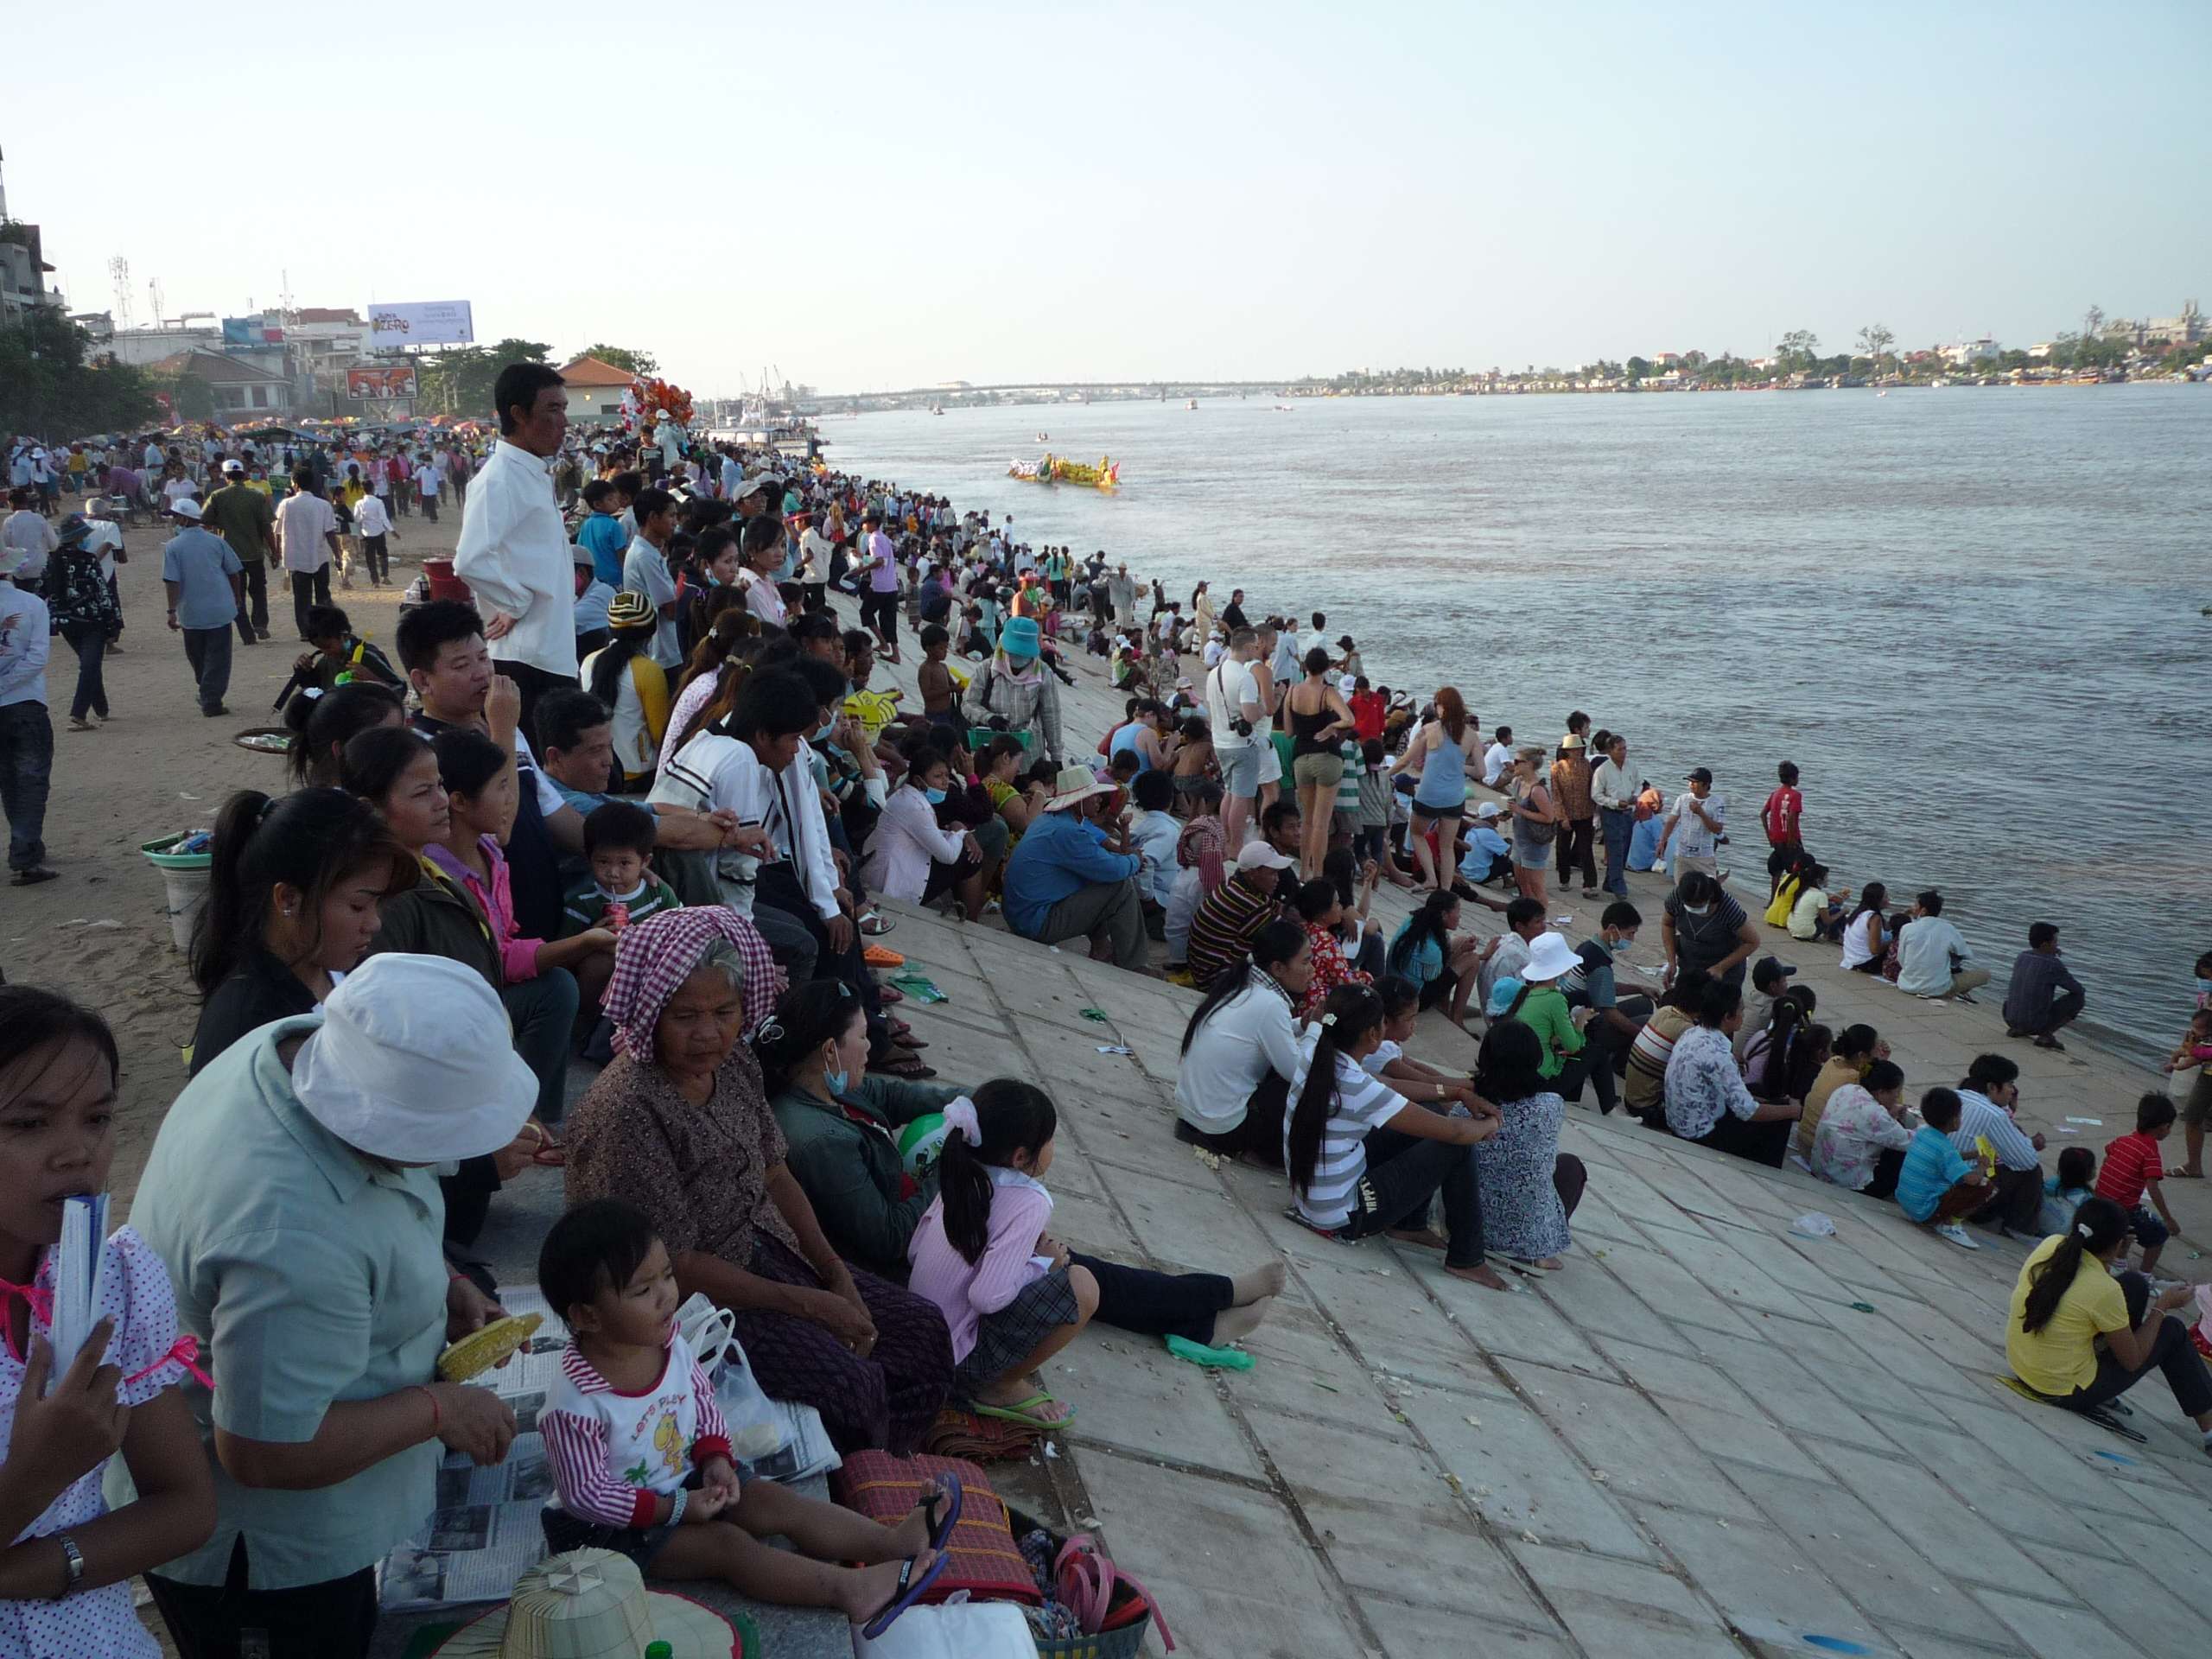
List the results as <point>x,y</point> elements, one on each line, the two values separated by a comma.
<point>1074,874</point>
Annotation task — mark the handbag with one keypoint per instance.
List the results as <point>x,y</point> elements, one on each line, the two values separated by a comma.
<point>1103,1600</point>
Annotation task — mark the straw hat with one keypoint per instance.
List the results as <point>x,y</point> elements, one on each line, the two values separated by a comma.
<point>1075,786</point>
<point>589,1604</point>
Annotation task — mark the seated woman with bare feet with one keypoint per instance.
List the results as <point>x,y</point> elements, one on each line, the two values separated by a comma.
<point>1365,1159</point>
<point>1014,1295</point>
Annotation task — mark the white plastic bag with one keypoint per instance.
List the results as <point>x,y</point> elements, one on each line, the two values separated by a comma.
<point>958,1628</point>
<point>755,1431</point>
<point>1813,1224</point>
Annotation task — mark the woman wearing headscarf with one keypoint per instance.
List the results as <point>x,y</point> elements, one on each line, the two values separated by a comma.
<point>679,1125</point>
<point>290,1192</point>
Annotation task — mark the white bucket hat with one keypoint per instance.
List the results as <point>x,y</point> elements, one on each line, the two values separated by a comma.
<point>1075,786</point>
<point>1550,956</point>
<point>414,1062</point>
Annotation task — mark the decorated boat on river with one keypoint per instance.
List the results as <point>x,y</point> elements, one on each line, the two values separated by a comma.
<point>1052,469</point>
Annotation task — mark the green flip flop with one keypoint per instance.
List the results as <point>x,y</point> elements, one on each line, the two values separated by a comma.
<point>1024,1412</point>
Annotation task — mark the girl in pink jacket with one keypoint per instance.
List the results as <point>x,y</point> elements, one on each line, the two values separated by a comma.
<point>1014,1295</point>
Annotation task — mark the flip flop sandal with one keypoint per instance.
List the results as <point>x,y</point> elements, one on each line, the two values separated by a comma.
<point>2100,1415</point>
<point>889,995</point>
<point>907,1041</point>
<point>909,1592</point>
<point>876,926</point>
<point>1024,1412</point>
<point>904,1063</point>
<point>876,955</point>
<point>951,1503</point>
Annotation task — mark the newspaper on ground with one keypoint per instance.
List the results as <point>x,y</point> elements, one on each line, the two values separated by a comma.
<point>486,1532</point>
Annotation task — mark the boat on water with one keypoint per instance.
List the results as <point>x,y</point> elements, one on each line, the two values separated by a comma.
<point>1052,469</point>
<point>1190,404</point>
<point>1282,409</point>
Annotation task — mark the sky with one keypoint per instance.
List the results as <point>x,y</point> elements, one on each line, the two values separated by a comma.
<point>873,197</point>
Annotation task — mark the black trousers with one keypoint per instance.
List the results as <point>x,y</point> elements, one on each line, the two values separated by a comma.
<point>533,682</point>
<point>308,588</point>
<point>1156,1303</point>
<point>1577,837</point>
<point>335,1619</point>
<point>1260,1134</point>
<point>1889,1163</point>
<point>1403,1173</point>
<point>2171,1352</point>
<point>778,889</point>
<point>2017,1199</point>
<point>377,551</point>
<point>1765,1143</point>
<point>253,604</point>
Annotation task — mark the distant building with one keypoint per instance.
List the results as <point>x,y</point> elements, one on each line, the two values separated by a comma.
<point>1970,351</point>
<point>2040,352</point>
<point>23,272</point>
<point>595,388</point>
<point>239,390</point>
<point>2186,329</point>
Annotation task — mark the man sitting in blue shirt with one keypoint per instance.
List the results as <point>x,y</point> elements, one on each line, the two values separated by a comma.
<point>1487,858</point>
<point>1074,874</point>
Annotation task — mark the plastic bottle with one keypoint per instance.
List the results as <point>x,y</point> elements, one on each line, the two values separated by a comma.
<point>659,1651</point>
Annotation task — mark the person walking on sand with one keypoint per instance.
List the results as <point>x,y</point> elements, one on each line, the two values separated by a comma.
<point>26,733</point>
<point>206,584</point>
<point>244,517</point>
<point>306,539</point>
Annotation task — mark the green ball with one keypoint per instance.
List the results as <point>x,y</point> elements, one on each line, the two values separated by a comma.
<point>922,1142</point>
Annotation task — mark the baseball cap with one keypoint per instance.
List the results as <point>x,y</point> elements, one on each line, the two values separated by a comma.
<point>1258,855</point>
<point>1771,970</point>
<point>1700,774</point>
<point>185,507</point>
<point>234,465</point>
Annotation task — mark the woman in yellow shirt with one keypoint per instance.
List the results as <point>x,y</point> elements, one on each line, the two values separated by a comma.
<point>2081,1338</point>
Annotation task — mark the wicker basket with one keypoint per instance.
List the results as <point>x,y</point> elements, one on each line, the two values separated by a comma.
<point>1125,1642</point>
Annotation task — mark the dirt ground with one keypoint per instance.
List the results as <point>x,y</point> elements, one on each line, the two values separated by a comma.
<point>101,933</point>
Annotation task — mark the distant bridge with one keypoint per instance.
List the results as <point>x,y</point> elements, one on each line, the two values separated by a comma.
<point>1119,388</point>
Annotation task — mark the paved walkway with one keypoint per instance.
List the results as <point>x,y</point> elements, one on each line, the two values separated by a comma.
<point>1706,1436</point>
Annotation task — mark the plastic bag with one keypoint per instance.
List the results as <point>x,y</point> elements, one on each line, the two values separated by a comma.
<point>755,1430</point>
<point>1813,1224</point>
<point>957,1628</point>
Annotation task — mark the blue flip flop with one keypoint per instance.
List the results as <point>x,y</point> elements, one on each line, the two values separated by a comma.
<point>908,1594</point>
<point>941,1531</point>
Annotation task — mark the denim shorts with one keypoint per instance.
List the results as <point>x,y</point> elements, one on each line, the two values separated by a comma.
<point>1240,771</point>
<point>2150,1231</point>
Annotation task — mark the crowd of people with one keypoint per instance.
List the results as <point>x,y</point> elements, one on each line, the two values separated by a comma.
<point>630,804</point>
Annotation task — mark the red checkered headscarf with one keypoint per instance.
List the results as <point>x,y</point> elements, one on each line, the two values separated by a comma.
<point>655,956</point>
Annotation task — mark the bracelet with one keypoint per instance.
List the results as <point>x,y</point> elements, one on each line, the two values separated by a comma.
<point>677,1504</point>
<point>73,1563</point>
<point>437,1414</point>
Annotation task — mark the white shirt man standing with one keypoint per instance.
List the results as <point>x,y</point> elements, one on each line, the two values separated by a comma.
<point>306,542</point>
<point>429,480</point>
<point>513,550</point>
<point>1695,825</point>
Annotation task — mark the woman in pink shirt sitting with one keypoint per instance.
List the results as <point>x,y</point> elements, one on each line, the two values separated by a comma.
<point>1014,1295</point>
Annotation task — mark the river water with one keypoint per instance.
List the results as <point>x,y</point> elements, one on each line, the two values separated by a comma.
<point>1971,616</point>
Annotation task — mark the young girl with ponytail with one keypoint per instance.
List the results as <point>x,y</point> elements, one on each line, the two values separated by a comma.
<point>1013,1294</point>
<point>1365,1159</point>
<point>2066,1298</point>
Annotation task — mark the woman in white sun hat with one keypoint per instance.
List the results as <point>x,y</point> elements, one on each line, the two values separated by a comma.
<point>291,1190</point>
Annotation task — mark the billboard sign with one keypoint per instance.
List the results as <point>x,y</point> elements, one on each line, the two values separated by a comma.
<point>396,380</point>
<point>251,331</point>
<point>435,322</point>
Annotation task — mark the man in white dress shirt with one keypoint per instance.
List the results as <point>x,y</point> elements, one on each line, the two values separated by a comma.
<point>513,551</point>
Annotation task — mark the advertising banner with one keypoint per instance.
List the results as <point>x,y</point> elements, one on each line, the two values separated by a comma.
<point>434,322</point>
<point>395,380</point>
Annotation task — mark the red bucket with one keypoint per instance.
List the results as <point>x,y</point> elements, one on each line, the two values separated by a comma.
<point>443,583</point>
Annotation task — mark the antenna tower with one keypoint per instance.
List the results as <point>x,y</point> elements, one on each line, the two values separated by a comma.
<point>154,293</point>
<point>120,269</point>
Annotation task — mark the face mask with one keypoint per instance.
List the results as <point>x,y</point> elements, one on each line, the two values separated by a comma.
<point>1697,910</point>
<point>934,796</point>
<point>2204,987</point>
<point>834,1081</point>
<point>1619,945</point>
<point>1018,663</point>
<point>825,728</point>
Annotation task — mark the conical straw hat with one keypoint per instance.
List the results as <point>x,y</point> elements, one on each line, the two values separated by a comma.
<point>590,1603</point>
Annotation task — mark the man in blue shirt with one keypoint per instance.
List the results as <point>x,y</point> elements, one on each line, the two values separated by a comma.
<point>1487,857</point>
<point>1073,877</point>
<point>601,534</point>
<point>206,584</point>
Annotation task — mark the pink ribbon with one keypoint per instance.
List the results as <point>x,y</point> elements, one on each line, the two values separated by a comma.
<point>185,1350</point>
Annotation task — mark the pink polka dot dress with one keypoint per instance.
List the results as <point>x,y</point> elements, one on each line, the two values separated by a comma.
<point>135,1293</point>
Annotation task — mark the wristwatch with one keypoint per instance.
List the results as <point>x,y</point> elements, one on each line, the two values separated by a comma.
<point>75,1562</point>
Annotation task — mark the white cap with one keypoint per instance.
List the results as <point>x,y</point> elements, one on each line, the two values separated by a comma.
<point>1347,685</point>
<point>414,1062</point>
<point>185,507</point>
<point>1258,855</point>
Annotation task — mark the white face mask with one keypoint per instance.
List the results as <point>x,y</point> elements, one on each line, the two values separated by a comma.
<point>1697,910</point>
